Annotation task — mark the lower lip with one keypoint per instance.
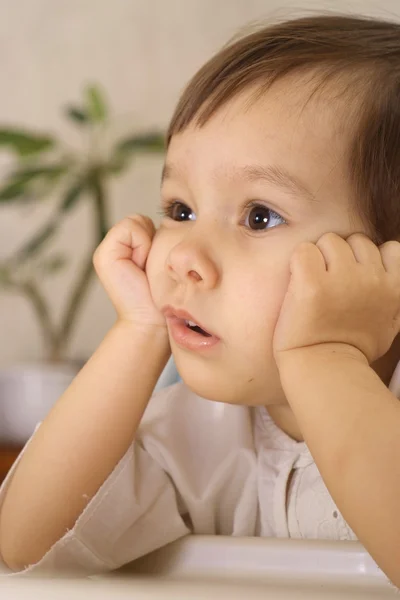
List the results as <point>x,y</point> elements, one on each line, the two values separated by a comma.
<point>186,338</point>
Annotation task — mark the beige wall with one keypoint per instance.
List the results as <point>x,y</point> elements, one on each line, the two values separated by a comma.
<point>142,52</point>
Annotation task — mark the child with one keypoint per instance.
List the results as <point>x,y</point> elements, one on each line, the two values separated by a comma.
<point>274,278</point>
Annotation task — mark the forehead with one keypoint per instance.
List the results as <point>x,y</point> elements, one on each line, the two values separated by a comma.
<point>285,126</point>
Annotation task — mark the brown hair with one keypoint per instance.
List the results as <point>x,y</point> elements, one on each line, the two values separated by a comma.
<point>367,50</point>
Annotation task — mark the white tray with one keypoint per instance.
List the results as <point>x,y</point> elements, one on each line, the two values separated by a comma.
<point>261,559</point>
<point>208,567</point>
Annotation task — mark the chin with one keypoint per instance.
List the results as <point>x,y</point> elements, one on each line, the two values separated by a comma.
<point>210,381</point>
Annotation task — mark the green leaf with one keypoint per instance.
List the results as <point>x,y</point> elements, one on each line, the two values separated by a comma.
<point>149,142</point>
<point>124,150</point>
<point>72,195</point>
<point>96,104</point>
<point>117,164</point>
<point>36,243</point>
<point>49,172</point>
<point>77,115</point>
<point>17,184</point>
<point>24,143</point>
<point>13,190</point>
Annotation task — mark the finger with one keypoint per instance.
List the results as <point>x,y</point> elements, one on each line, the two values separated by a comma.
<point>129,239</point>
<point>142,233</point>
<point>307,263</point>
<point>364,250</point>
<point>335,250</point>
<point>390,256</point>
<point>145,222</point>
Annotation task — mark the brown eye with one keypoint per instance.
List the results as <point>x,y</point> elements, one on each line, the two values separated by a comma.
<point>177,211</point>
<point>259,218</point>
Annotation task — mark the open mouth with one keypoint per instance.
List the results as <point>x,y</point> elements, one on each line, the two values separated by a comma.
<point>187,333</point>
<point>194,327</point>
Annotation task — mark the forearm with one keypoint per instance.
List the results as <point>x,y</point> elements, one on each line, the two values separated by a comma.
<point>351,424</point>
<point>80,442</point>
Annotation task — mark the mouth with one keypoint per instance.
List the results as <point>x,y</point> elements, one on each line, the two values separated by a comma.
<point>194,327</point>
<point>187,331</point>
<point>189,321</point>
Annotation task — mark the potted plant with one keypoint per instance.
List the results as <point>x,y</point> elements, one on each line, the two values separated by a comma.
<point>42,167</point>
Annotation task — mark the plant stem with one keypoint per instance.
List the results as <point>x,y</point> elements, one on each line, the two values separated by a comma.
<point>29,289</point>
<point>40,306</point>
<point>99,204</point>
<point>82,285</point>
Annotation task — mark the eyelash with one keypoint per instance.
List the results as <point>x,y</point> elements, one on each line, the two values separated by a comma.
<point>169,205</point>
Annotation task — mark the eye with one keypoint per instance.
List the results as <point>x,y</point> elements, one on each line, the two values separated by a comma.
<point>178,211</point>
<point>260,218</point>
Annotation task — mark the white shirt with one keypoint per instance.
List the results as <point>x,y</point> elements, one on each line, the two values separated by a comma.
<point>199,467</point>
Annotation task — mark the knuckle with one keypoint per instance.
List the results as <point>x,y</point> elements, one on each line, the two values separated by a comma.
<point>138,223</point>
<point>314,295</point>
<point>126,222</point>
<point>302,249</point>
<point>328,237</point>
<point>391,245</point>
<point>124,229</point>
<point>138,219</point>
<point>148,224</point>
<point>358,236</point>
<point>96,259</point>
<point>312,290</point>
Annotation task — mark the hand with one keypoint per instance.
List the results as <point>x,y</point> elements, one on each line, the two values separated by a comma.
<point>120,261</point>
<point>343,292</point>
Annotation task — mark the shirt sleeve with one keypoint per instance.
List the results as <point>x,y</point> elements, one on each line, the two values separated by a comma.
<point>134,512</point>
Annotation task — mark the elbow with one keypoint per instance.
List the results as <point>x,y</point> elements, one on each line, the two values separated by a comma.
<point>11,555</point>
<point>16,560</point>
<point>394,577</point>
<point>16,551</point>
<point>8,556</point>
<point>10,561</point>
<point>391,568</point>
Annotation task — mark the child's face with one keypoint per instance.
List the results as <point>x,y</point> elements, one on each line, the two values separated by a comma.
<point>227,261</point>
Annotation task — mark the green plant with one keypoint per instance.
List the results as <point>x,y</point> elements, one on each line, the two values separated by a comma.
<point>43,167</point>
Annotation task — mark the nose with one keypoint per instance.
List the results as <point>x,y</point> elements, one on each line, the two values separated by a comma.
<point>189,261</point>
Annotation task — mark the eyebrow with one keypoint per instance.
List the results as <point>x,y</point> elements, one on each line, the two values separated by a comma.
<point>274,174</point>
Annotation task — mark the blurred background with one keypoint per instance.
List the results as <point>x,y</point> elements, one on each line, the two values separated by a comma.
<point>141,53</point>
<point>99,76</point>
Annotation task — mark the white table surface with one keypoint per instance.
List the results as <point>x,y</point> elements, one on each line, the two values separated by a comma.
<point>207,567</point>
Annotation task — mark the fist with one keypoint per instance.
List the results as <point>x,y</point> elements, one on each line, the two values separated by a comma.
<point>120,261</point>
<point>341,291</point>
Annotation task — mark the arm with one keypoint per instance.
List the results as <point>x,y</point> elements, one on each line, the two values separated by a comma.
<point>341,313</point>
<point>80,442</point>
<point>92,425</point>
<point>351,424</point>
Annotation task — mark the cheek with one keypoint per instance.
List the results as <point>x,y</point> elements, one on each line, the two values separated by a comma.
<point>259,299</point>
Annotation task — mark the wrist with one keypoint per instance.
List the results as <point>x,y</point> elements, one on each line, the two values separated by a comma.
<point>332,352</point>
<point>152,340</point>
<point>308,375</point>
<point>156,331</point>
